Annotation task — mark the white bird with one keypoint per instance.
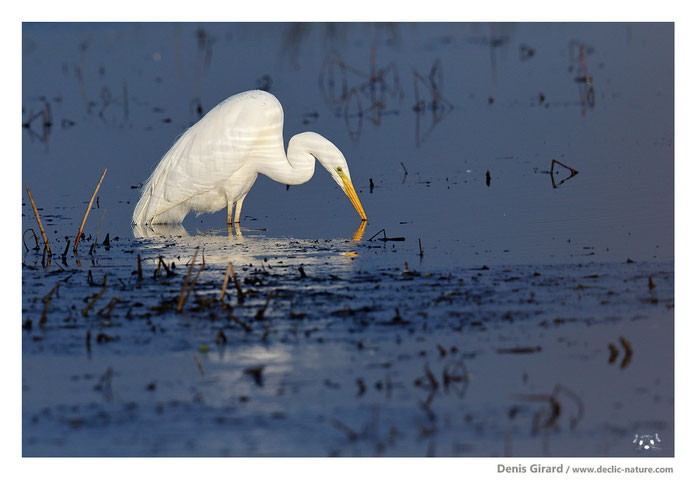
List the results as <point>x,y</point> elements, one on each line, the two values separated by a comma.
<point>216,161</point>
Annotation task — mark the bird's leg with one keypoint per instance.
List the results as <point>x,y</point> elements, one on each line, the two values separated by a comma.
<point>229,212</point>
<point>238,210</point>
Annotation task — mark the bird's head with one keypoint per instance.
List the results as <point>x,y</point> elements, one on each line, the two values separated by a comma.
<point>342,177</point>
<point>331,158</point>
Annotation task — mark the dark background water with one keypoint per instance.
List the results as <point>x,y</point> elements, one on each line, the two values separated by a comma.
<point>449,102</point>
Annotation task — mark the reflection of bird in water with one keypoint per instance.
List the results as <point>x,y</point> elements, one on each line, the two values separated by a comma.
<point>219,248</point>
<point>178,230</point>
<point>155,231</point>
<point>215,162</point>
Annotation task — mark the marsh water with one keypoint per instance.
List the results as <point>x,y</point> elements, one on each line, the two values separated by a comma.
<point>511,293</point>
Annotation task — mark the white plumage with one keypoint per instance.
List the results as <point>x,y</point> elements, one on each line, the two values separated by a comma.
<point>216,161</point>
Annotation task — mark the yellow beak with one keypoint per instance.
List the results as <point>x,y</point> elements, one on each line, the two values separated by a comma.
<point>351,192</point>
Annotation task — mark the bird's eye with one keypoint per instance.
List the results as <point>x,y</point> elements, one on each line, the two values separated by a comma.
<point>338,169</point>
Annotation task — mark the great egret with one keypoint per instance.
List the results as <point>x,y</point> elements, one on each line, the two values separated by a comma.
<point>216,161</point>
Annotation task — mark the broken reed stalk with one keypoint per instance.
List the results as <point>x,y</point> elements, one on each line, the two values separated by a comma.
<point>36,239</point>
<point>106,310</point>
<point>238,285</point>
<point>38,219</point>
<point>384,234</point>
<point>239,322</point>
<point>65,252</point>
<point>161,263</point>
<point>87,212</point>
<point>260,314</point>
<point>92,302</point>
<point>47,303</point>
<point>183,295</point>
<point>227,277</point>
<point>198,363</point>
<point>193,282</point>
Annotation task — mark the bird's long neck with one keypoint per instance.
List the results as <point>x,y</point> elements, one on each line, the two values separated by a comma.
<point>298,165</point>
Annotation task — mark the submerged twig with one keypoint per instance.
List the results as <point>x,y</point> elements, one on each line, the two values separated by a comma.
<point>36,239</point>
<point>239,322</point>
<point>47,303</point>
<point>198,363</point>
<point>262,311</point>
<point>65,252</point>
<point>238,285</point>
<point>92,302</point>
<point>87,212</point>
<point>184,293</point>
<point>227,277</point>
<point>106,310</point>
<point>384,234</point>
<point>38,219</point>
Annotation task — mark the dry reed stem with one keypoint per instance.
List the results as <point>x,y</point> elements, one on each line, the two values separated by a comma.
<point>227,277</point>
<point>182,296</point>
<point>200,367</point>
<point>47,303</point>
<point>260,314</point>
<point>36,240</point>
<point>93,301</point>
<point>106,310</point>
<point>87,212</point>
<point>191,285</point>
<point>38,219</point>
<point>238,286</point>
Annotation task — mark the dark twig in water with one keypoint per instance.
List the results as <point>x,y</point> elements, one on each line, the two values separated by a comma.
<point>227,277</point>
<point>350,433</point>
<point>519,350</point>
<point>628,351</point>
<point>238,285</point>
<point>262,311</point>
<point>92,302</point>
<point>405,168</point>
<point>385,238</point>
<point>381,231</point>
<point>65,252</point>
<point>87,212</point>
<point>162,263</point>
<point>198,363</point>
<point>551,173</point>
<point>38,219</point>
<point>421,250</point>
<point>106,310</point>
<point>186,289</point>
<point>140,270</point>
<point>239,322</point>
<point>36,239</point>
<point>47,303</point>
